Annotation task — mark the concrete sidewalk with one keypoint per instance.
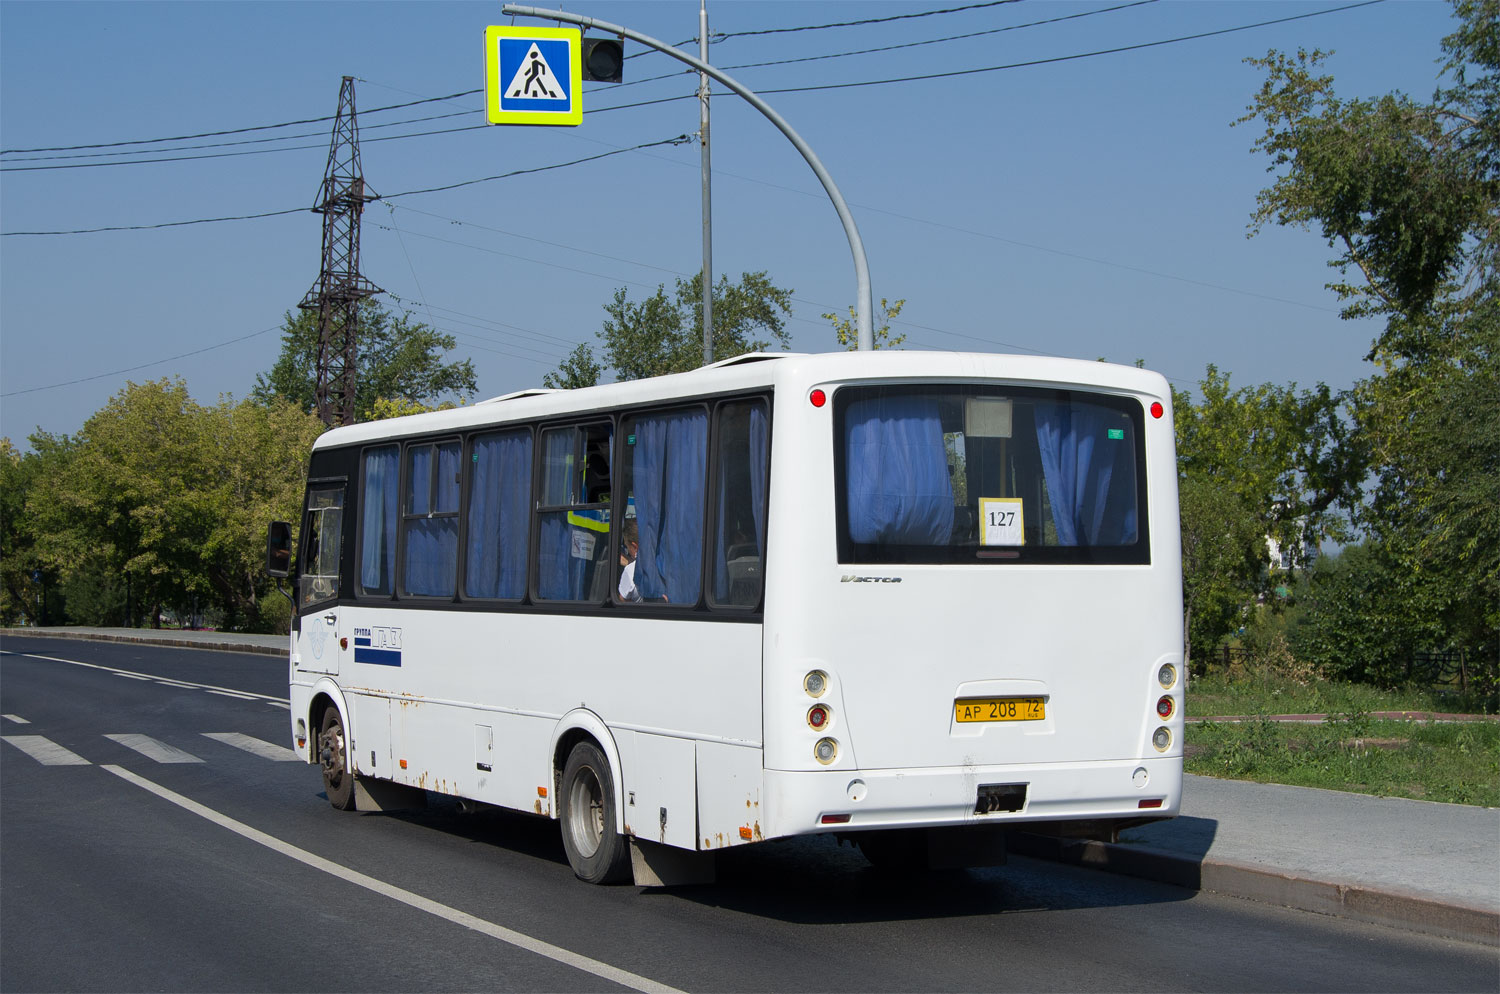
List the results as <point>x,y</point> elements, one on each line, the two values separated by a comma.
<point>1413,864</point>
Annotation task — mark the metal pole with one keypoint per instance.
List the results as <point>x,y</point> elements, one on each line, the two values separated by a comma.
<point>864,301</point>
<point>708,224</point>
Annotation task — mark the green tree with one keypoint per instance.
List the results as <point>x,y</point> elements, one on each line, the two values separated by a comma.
<point>847,329</point>
<point>1408,192</point>
<point>579,369</point>
<point>1256,463</point>
<point>169,500</point>
<point>1367,615</point>
<point>399,359</point>
<point>661,335</point>
<point>20,560</point>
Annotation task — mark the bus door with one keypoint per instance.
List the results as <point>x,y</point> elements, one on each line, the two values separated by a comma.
<point>320,635</point>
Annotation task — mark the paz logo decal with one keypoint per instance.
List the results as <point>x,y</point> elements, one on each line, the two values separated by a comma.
<point>378,646</point>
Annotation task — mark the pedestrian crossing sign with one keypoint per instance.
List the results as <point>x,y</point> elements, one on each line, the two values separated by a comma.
<point>533,75</point>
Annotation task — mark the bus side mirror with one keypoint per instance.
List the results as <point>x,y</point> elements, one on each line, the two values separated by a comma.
<point>279,549</point>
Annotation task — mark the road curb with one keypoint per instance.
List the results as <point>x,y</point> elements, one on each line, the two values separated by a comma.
<point>186,642</point>
<point>1414,912</point>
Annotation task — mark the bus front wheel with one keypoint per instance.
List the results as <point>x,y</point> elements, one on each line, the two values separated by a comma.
<point>338,782</point>
<point>598,853</point>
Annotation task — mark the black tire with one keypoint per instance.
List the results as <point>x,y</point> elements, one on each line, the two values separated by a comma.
<point>333,748</point>
<point>586,808</point>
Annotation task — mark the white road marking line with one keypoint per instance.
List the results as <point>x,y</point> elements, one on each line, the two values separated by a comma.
<point>129,676</point>
<point>45,751</point>
<point>406,897</point>
<point>147,676</point>
<point>233,693</point>
<point>176,683</point>
<point>153,749</point>
<point>280,704</point>
<point>254,746</point>
<point>22,721</point>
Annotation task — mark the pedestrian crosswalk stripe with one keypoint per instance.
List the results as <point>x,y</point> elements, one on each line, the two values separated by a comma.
<point>154,749</point>
<point>254,746</point>
<point>15,718</point>
<point>45,751</point>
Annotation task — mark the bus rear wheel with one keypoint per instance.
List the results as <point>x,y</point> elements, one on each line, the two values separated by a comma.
<point>596,850</point>
<point>338,782</point>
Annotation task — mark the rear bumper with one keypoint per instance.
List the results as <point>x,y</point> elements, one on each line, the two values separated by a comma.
<point>796,803</point>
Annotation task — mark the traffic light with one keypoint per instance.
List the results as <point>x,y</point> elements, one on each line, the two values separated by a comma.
<point>603,59</point>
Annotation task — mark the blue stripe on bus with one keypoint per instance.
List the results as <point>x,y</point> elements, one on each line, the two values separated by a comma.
<point>361,641</point>
<point>379,657</point>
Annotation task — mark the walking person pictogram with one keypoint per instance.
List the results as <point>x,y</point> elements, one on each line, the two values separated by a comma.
<point>536,72</point>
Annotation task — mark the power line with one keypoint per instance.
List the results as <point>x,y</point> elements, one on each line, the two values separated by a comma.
<point>230,131</point>
<point>1069,58</point>
<point>860,23</point>
<point>909,44</point>
<point>144,365</point>
<point>298,210</point>
<point>164,224</point>
<point>243,141</point>
<point>680,139</point>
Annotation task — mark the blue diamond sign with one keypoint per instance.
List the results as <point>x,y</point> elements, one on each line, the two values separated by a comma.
<point>533,75</point>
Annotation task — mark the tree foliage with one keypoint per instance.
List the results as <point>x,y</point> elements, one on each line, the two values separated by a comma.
<point>1256,463</point>
<point>168,497</point>
<point>847,329</point>
<point>662,334</point>
<point>399,359</point>
<point>1408,193</point>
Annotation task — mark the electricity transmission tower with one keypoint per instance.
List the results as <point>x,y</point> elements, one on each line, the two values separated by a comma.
<point>340,286</point>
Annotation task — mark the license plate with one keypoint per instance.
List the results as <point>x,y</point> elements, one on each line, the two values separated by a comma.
<point>1000,709</point>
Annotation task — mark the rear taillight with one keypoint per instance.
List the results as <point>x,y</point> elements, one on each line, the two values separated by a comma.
<point>1165,707</point>
<point>817,717</point>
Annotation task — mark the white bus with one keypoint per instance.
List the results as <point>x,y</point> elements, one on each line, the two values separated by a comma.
<point>913,598</point>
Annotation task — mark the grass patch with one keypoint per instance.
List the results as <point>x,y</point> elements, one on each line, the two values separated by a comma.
<point>1456,763</point>
<point>1265,691</point>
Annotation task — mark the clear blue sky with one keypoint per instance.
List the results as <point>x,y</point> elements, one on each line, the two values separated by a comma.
<point>1085,207</point>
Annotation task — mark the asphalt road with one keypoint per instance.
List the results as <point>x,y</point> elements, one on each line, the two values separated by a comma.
<point>216,864</point>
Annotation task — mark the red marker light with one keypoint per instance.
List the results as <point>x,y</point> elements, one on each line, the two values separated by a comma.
<point>1164,707</point>
<point>818,398</point>
<point>817,717</point>
<point>1156,409</point>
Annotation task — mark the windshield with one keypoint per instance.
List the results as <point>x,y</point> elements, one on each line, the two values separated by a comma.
<point>930,474</point>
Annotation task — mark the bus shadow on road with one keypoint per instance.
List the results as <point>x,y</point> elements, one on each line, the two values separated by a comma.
<point>819,880</point>
<point>774,880</point>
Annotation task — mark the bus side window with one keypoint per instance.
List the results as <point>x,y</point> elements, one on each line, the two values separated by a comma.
<point>322,546</point>
<point>431,521</point>
<point>573,513</point>
<point>739,502</point>
<point>664,478</point>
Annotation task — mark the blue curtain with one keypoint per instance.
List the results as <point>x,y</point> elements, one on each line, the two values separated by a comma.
<point>378,530</point>
<point>431,556</point>
<point>557,577</point>
<point>499,516</point>
<point>756,445</point>
<point>432,542</point>
<point>668,475</point>
<point>1079,461</point>
<point>897,489</point>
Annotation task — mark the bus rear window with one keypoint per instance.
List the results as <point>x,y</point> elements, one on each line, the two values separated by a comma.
<point>989,475</point>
